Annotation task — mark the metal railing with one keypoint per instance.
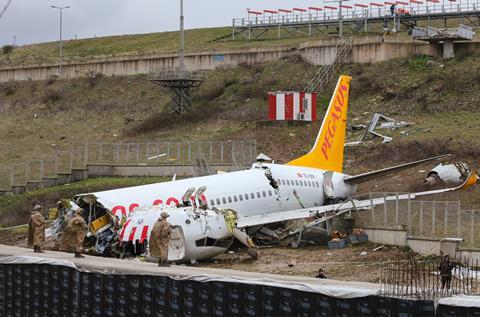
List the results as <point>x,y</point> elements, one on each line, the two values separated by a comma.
<point>240,154</point>
<point>425,219</point>
<point>356,13</point>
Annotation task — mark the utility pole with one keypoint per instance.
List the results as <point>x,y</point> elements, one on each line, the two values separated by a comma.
<point>5,8</point>
<point>181,44</point>
<point>60,69</point>
<point>340,16</point>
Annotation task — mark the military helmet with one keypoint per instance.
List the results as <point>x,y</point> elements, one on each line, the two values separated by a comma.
<point>37,207</point>
<point>164,215</point>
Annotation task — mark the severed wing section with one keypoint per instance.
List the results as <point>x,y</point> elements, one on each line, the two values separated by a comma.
<point>338,209</point>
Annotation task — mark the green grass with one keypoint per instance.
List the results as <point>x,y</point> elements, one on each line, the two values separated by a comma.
<point>137,44</point>
<point>16,209</point>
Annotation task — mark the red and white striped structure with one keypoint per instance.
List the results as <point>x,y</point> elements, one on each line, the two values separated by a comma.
<point>292,106</point>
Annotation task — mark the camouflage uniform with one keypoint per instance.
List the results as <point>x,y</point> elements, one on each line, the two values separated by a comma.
<point>36,230</point>
<point>160,239</point>
<point>74,234</point>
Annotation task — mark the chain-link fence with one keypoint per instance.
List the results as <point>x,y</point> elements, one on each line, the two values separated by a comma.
<point>424,219</point>
<point>233,153</point>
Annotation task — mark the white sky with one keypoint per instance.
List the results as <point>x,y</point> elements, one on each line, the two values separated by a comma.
<point>33,21</point>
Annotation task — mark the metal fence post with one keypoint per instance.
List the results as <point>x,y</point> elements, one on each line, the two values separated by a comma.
<point>433,220</point>
<point>396,209</point>
<point>178,152</point>
<point>458,220</point>
<point>221,151</point>
<point>445,228</point>
<point>138,152</point>
<point>421,218</point>
<point>472,227</point>
<point>385,216</point>
<point>373,208</point>
<point>409,214</point>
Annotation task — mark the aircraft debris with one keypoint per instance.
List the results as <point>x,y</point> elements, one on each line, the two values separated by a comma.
<point>364,253</point>
<point>378,121</point>
<point>378,248</point>
<point>451,174</point>
<point>263,158</point>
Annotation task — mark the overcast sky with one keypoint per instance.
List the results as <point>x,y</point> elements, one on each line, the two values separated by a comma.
<point>33,21</point>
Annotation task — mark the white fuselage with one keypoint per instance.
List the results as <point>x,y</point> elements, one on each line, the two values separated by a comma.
<point>247,192</point>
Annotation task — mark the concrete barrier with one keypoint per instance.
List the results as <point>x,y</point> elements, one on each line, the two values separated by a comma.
<point>366,49</point>
<point>387,236</point>
<point>432,247</point>
<point>473,255</point>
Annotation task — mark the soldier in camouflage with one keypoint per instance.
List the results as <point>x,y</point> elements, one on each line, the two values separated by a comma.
<point>160,239</point>
<point>74,234</point>
<point>36,230</point>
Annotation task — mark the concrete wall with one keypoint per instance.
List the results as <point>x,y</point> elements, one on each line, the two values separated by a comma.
<point>387,236</point>
<point>365,49</point>
<point>148,170</point>
<point>473,255</point>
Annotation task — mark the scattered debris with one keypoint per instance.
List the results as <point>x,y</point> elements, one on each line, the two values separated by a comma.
<point>378,248</point>
<point>378,121</point>
<point>263,158</point>
<point>364,253</point>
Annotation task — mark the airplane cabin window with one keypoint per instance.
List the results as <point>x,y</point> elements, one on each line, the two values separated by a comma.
<point>296,182</point>
<point>288,182</point>
<point>316,184</point>
<point>229,199</point>
<point>212,202</point>
<point>283,182</point>
<point>309,184</point>
<point>264,194</point>
<point>258,194</point>
<point>224,200</point>
<point>269,193</point>
<point>301,183</point>
<point>235,198</point>
<point>218,201</point>
<point>246,196</point>
<point>240,197</point>
<point>252,195</point>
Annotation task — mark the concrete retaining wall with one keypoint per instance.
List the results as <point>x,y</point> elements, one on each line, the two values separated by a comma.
<point>366,49</point>
<point>387,236</point>
<point>419,245</point>
<point>473,255</point>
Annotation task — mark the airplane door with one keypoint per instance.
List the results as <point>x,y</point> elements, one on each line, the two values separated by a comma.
<point>176,249</point>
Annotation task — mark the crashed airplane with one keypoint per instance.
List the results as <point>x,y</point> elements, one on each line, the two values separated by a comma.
<point>207,212</point>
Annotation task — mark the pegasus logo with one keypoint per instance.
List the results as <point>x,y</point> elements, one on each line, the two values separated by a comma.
<point>335,116</point>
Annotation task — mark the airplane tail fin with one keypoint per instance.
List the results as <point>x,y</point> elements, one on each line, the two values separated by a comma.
<point>327,153</point>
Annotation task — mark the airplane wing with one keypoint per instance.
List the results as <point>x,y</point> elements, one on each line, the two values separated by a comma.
<point>337,208</point>
<point>357,179</point>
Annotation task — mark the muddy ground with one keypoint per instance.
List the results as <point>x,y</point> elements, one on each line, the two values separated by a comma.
<point>349,264</point>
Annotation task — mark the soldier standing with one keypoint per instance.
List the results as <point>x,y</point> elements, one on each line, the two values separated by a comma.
<point>160,239</point>
<point>445,267</point>
<point>74,234</point>
<point>36,230</point>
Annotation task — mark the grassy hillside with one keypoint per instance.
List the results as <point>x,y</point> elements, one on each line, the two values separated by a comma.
<point>441,97</point>
<point>136,44</point>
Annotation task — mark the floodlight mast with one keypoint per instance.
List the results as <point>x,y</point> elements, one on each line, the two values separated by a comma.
<point>60,66</point>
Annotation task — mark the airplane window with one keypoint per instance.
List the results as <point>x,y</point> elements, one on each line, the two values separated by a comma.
<point>283,182</point>
<point>224,200</point>
<point>235,198</point>
<point>252,195</point>
<point>258,194</point>
<point>240,197</point>
<point>296,182</point>
<point>316,184</point>
<point>288,182</point>
<point>229,199</point>
<point>301,183</point>
<point>309,184</point>
<point>269,193</point>
<point>212,202</point>
<point>264,194</point>
<point>246,196</point>
<point>218,201</point>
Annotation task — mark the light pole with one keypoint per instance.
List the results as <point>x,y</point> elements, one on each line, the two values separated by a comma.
<point>60,70</point>
<point>181,46</point>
